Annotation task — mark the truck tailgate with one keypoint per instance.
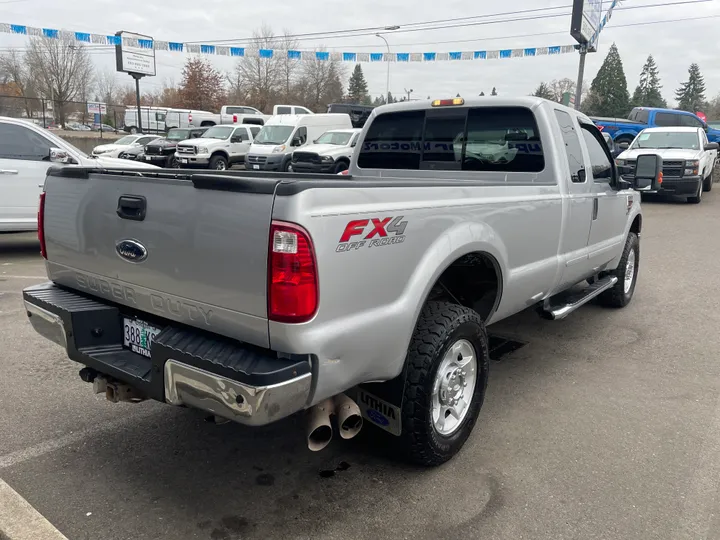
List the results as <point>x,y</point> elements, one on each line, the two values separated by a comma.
<point>206,245</point>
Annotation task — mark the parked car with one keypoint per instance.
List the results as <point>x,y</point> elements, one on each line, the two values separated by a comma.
<point>76,126</point>
<point>103,127</point>
<point>123,144</point>
<point>219,148</point>
<point>253,297</point>
<point>283,134</point>
<point>358,113</point>
<point>688,159</point>
<point>290,109</point>
<point>26,152</point>
<point>625,130</point>
<point>329,153</point>
<point>162,151</point>
<point>153,119</point>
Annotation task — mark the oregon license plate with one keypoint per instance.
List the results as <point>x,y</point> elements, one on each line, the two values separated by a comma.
<point>256,167</point>
<point>183,160</point>
<point>138,335</point>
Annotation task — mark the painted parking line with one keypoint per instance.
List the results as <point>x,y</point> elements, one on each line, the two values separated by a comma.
<point>20,521</point>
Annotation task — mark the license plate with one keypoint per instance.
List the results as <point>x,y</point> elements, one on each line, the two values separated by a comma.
<point>138,335</point>
<point>256,167</point>
<point>183,160</point>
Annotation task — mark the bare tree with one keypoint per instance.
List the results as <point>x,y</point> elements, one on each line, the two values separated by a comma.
<point>107,86</point>
<point>321,82</point>
<point>559,86</point>
<point>257,77</point>
<point>15,74</point>
<point>288,67</point>
<point>62,70</point>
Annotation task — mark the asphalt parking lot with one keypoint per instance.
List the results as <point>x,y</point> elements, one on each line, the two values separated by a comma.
<point>604,426</point>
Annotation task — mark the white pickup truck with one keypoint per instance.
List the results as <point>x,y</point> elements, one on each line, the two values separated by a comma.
<point>240,114</point>
<point>688,159</point>
<point>219,148</point>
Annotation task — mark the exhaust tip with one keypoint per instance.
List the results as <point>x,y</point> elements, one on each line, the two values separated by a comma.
<point>319,438</point>
<point>319,428</point>
<point>348,416</point>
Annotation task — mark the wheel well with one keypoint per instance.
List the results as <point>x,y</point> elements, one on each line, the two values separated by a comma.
<point>625,137</point>
<point>636,226</point>
<point>474,280</point>
<point>220,153</point>
<point>207,123</point>
<point>343,159</point>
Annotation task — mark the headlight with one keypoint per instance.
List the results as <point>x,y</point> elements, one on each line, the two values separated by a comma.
<point>691,167</point>
<point>326,158</point>
<point>619,162</point>
<point>278,149</point>
<point>203,150</point>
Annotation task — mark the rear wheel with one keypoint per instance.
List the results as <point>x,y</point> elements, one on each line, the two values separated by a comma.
<point>447,374</point>
<point>133,130</point>
<point>626,272</point>
<point>624,138</point>
<point>219,163</point>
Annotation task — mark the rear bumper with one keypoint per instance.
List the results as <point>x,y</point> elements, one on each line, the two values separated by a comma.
<point>227,378</point>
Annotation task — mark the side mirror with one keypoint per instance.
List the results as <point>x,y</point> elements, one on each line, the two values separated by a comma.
<point>235,139</point>
<point>58,155</point>
<point>712,146</point>
<point>648,173</point>
<point>623,145</point>
<point>296,142</point>
<point>353,144</point>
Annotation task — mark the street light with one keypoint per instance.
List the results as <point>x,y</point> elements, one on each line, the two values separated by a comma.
<point>408,92</point>
<point>387,83</point>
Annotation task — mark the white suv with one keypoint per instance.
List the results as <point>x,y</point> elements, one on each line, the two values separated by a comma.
<point>25,156</point>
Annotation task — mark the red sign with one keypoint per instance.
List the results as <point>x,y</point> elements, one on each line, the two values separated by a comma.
<point>701,116</point>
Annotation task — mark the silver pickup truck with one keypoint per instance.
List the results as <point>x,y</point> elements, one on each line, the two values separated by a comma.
<point>254,296</point>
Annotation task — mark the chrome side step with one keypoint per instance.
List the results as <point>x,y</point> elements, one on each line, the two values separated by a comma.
<point>574,300</point>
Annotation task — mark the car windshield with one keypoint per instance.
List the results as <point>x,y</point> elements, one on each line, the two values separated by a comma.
<point>218,132</point>
<point>340,138</point>
<point>178,134</point>
<point>667,139</point>
<point>127,139</point>
<point>274,134</point>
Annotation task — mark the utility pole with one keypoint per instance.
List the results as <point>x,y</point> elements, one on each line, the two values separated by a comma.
<point>387,81</point>
<point>581,72</point>
<point>408,92</point>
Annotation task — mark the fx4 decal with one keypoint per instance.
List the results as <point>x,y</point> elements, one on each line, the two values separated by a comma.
<point>373,232</point>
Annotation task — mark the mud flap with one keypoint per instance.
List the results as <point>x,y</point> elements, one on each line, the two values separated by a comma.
<point>381,403</point>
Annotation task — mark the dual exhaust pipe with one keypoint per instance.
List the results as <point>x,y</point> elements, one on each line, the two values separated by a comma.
<point>319,425</point>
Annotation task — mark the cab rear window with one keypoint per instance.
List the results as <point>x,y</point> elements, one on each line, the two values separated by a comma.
<point>468,139</point>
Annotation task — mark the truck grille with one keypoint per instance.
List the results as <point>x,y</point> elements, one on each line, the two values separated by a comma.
<point>670,169</point>
<point>187,150</point>
<point>257,159</point>
<point>306,157</point>
<point>153,150</point>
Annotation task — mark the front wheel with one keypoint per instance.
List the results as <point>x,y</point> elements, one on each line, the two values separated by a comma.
<point>626,272</point>
<point>698,196</point>
<point>340,167</point>
<point>708,182</point>
<point>219,163</point>
<point>447,374</point>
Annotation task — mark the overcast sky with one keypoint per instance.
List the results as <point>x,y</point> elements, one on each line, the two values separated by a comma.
<point>675,44</point>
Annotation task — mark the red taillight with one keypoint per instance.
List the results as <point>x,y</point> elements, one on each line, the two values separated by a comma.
<point>292,274</point>
<point>234,119</point>
<point>41,225</point>
<point>189,118</point>
<point>600,128</point>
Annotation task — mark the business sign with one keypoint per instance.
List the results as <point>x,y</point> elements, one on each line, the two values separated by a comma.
<point>585,21</point>
<point>96,108</point>
<point>135,54</point>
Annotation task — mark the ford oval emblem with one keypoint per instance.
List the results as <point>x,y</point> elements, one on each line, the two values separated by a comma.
<point>131,250</point>
<point>377,417</point>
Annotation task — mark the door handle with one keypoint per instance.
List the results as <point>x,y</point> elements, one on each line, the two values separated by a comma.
<point>8,171</point>
<point>132,207</point>
<point>595,208</point>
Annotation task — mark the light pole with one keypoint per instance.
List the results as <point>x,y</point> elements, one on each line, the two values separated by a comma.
<point>408,92</point>
<point>387,82</point>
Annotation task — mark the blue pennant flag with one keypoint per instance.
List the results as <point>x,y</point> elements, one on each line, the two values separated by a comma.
<point>50,33</point>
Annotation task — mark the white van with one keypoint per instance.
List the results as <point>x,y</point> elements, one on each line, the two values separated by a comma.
<point>272,149</point>
<point>153,119</point>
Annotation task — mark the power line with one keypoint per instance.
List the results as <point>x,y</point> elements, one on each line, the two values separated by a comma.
<point>359,32</point>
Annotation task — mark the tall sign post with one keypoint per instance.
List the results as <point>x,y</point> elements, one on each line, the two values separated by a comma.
<point>584,27</point>
<point>135,55</point>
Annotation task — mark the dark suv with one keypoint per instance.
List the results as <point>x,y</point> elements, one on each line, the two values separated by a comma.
<point>162,151</point>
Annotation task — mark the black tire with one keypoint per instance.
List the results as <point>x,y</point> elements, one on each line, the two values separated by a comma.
<point>341,166</point>
<point>218,163</point>
<point>286,165</point>
<point>617,297</point>
<point>133,130</point>
<point>173,163</point>
<point>697,199</point>
<point>708,182</point>
<point>441,324</point>
<point>624,138</point>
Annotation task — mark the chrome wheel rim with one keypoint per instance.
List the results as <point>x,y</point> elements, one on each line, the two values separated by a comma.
<point>220,166</point>
<point>629,271</point>
<point>454,387</point>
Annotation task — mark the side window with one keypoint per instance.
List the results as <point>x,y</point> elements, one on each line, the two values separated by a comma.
<point>19,142</point>
<point>667,119</point>
<point>572,146</point>
<point>393,141</point>
<point>254,130</point>
<point>690,121</point>
<point>354,139</point>
<point>601,166</point>
<point>301,134</point>
<point>284,110</point>
<point>301,110</point>
<point>144,140</point>
<point>443,139</point>
<point>160,117</point>
<point>242,133</point>
<point>640,116</point>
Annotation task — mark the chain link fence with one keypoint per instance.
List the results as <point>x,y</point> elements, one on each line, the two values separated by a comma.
<point>68,115</point>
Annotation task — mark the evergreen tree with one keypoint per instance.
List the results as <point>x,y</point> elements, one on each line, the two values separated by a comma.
<point>391,99</point>
<point>543,91</point>
<point>482,94</point>
<point>691,94</point>
<point>609,94</point>
<point>357,86</point>
<point>647,93</point>
<point>494,92</point>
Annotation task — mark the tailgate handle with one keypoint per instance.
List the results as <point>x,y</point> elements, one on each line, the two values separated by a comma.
<point>132,207</point>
